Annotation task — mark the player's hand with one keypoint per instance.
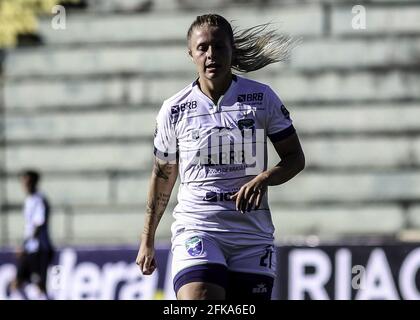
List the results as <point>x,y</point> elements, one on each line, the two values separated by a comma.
<point>146,257</point>
<point>251,194</point>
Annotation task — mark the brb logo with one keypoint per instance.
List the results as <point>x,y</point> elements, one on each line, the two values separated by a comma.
<point>258,96</point>
<point>190,105</point>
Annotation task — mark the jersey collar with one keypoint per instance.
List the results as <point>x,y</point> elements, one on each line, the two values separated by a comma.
<point>226,94</point>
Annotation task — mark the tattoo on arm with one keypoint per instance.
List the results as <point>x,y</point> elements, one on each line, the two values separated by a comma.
<point>155,208</point>
<point>150,206</point>
<point>162,200</point>
<point>159,194</point>
<point>162,171</point>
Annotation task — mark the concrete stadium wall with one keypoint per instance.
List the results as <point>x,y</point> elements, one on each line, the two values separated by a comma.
<point>81,108</point>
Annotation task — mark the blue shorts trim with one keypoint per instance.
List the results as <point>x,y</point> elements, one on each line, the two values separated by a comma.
<point>210,272</point>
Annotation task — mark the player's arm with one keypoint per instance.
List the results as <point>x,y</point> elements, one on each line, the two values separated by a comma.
<point>37,231</point>
<point>292,162</point>
<point>39,215</point>
<point>162,181</point>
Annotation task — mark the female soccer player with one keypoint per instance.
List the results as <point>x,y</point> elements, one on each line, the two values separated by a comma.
<point>214,132</point>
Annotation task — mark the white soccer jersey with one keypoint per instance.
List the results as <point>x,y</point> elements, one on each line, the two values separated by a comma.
<point>220,147</point>
<point>35,212</point>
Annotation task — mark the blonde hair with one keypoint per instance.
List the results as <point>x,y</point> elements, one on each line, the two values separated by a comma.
<point>253,48</point>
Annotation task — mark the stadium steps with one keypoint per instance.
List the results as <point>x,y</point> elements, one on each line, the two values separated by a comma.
<point>324,154</point>
<point>110,225</point>
<point>78,225</point>
<point>311,56</point>
<point>93,29</point>
<point>95,89</point>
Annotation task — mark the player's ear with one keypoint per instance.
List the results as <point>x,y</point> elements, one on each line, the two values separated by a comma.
<point>190,54</point>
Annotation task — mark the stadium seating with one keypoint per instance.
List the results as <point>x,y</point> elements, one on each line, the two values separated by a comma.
<point>81,108</point>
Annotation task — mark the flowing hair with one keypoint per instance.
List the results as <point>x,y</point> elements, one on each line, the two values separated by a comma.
<point>253,48</point>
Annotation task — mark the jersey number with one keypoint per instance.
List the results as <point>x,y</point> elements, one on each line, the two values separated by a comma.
<point>268,255</point>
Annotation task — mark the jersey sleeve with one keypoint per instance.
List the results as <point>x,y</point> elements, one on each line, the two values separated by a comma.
<point>279,123</point>
<point>165,141</point>
<point>39,212</point>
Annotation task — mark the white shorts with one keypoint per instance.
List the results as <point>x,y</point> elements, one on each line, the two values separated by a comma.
<point>193,247</point>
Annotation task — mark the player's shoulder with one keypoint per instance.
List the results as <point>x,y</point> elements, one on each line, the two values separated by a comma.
<point>40,196</point>
<point>253,90</point>
<point>182,95</point>
<point>250,84</point>
<point>35,198</point>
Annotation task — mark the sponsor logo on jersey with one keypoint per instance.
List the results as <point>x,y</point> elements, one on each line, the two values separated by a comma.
<point>222,131</point>
<point>175,109</point>
<point>194,246</point>
<point>285,112</point>
<point>175,113</point>
<point>186,106</point>
<point>250,97</point>
<point>230,157</point>
<point>212,196</point>
<point>260,288</point>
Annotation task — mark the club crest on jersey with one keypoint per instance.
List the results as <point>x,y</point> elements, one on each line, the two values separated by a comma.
<point>194,246</point>
<point>246,124</point>
<point>195,134</point>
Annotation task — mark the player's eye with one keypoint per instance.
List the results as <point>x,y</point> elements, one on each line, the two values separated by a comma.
<point>219,45</point>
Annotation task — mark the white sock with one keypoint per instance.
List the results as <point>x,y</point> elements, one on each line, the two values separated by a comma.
<point>32,291</point>
<point>15,295</point>
<point>42,296</point>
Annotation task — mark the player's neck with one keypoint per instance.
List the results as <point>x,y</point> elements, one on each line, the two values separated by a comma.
<point>31,192</point>
<point>215,89</point>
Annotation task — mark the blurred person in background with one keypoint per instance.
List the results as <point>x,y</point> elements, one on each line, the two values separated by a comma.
<point>37,250</point>
<point>223,235</point>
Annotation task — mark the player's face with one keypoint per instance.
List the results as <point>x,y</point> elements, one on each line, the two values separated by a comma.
<point>211,50</point>
<point>28,184</point>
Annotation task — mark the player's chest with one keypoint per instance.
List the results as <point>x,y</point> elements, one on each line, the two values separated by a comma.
<point>225,122</point>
